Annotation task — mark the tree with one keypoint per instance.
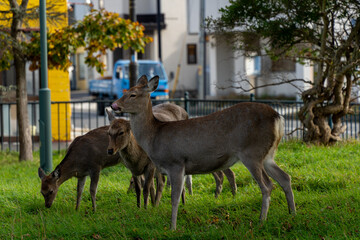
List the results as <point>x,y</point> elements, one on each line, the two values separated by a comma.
<point>97,32</point>
<point>324,32</point>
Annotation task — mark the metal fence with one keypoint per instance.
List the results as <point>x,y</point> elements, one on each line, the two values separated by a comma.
<point>83,117</point>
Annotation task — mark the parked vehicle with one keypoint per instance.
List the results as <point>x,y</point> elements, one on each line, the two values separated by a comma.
<point>113,87</point>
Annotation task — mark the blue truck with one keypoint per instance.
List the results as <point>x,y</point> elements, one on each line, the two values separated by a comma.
<point>115,86</point>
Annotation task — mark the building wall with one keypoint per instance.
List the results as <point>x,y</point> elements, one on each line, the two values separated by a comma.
<point>182,19</point>
<point>293,90</point>
<point>174,44</point>
<point>59,85</point>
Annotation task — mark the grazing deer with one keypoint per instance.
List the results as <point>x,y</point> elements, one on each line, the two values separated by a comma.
<point>246,132</point>
<point>86,156</point>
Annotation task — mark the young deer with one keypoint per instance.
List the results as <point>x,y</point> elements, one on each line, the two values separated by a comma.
<point>246,132</point>
<point>85,156</point>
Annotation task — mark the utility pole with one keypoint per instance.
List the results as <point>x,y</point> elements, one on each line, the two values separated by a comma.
<point>158,20</point>
<point>202,52</point>
<point>44,98</point>
<point>133,54</point>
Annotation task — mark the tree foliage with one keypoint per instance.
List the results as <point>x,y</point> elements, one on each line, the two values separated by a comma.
<point>16,20</point>
<point>97,32</point>
<point>324,32</point>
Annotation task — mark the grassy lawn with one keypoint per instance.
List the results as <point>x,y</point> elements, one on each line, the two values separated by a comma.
<point>326,184</point>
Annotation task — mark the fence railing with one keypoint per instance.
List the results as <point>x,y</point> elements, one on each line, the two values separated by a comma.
<point>75,118</point>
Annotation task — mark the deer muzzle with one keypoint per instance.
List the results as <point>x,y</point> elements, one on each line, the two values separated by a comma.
<point>110,151</point>
<point>115,107</point>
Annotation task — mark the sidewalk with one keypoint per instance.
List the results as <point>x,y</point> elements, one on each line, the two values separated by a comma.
<point>80,95</point>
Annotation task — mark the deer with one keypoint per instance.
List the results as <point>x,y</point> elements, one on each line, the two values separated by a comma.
<point>246,132</point>
<point>135,159</point>
<point>86,156</point>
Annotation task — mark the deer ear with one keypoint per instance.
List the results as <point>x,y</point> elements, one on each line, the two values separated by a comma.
<point>128,126</point>
<point>56,174</point>
<point>142,80</point>
<point>153,83</point>
<point>41,173</point>
<point>111,117</point>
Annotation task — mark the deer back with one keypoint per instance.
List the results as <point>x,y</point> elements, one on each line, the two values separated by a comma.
<point>215,141</point>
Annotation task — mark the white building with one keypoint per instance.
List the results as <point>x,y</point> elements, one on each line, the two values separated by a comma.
<point>180,48</point>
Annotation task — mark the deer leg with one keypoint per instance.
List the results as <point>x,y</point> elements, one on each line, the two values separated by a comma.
<point>137,183</point>
<point>284,181</point>
<point>257,171</point>
<point>152,192</point>
<point>160,183</point>
<point>131,185</point>
<point>231,178</point>
<point>168,181</point>
<point>80,189</point>
<point>219,178</point>
<point>177,184</point>
<point>188,183</point>
<point>183,195</point>
<point>149,182</point>
<point>93,188</point>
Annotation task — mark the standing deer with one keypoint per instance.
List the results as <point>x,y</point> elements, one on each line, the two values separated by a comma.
<point>246,132</point>
<point>85,156</point>
<point>135,158</point>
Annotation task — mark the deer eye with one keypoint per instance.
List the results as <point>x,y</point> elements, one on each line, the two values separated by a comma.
<point>121,133</point>
<point>132,95</point>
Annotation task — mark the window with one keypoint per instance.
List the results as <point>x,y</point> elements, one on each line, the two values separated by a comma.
<point>283,65</point>
<point>191,54</point>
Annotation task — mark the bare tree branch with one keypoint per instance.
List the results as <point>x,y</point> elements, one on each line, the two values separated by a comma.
<point>252,87</point>
<point>294,130</point>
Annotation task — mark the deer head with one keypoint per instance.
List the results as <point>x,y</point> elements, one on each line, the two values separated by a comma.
<point>136,96</point>
<point>119,134</point>
<point>49,185</point>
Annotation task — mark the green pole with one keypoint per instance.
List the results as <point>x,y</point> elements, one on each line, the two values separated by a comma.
<point>44,98</point>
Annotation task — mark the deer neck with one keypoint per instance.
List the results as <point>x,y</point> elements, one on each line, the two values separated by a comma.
<point>132,150</point>
<point>68,169</point>
<point>143,125</point>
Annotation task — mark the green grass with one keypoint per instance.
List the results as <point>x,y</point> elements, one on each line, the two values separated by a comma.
<point>325,180</point>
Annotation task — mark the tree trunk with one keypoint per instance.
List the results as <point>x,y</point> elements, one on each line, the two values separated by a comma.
<point>22,111</point>
<point>25,141</point>
<point>322,107</point>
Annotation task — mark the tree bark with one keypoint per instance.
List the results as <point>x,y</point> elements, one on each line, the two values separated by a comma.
<point>320,109</point>
<point>25,141</point>
<point>22,111</point>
